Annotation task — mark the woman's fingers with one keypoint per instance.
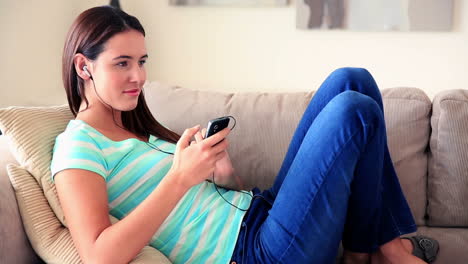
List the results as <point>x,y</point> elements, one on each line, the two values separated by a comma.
<point>203,131</point>
<point>199,137</point>
<point>222,146</point>
<point>186,137</point>
<point>216,138</point>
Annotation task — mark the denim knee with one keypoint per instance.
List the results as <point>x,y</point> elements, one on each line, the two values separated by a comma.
<point>353,104</point>
<point>357,79</point>
<point>352,74</point>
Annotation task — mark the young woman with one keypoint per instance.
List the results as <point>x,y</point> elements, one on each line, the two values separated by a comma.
<point>337,182</point>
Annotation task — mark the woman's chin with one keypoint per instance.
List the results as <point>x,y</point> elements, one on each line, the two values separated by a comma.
<point>126,108</point>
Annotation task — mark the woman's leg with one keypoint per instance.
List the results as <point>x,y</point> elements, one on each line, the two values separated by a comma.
<point>335,178</point>
<point>361,81</point>
<point>344,145</point>
<point>343,79</point>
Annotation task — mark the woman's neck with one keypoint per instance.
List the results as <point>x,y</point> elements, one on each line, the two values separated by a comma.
<point>100,116</point>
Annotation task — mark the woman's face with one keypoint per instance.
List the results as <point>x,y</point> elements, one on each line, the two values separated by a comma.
<point>119,72</point>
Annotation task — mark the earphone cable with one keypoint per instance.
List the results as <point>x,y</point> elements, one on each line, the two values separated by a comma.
<point>222,196</point>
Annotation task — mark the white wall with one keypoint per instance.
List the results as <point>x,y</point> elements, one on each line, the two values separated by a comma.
<point>31,40</point>
<point>227,49</point>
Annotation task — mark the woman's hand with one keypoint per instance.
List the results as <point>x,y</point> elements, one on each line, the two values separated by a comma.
<point>195,162</point>
<point>223,169</point>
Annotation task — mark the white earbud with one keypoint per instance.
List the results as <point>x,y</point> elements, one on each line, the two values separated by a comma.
<point>85,69</point>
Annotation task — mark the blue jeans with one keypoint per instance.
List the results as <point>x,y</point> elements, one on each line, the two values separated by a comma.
<point>337,182</point>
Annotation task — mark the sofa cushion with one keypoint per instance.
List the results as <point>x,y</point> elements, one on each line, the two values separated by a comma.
<point>31,132</point>
<point>265,123</point>
<point>407,119</point>
<point>448,166</point>
<point>15,249</point>
<point>50,239</point>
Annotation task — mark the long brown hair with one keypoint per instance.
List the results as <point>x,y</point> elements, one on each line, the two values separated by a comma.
<point>88,34</point>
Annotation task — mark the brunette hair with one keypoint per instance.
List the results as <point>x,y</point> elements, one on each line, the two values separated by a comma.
<point>88,35</point>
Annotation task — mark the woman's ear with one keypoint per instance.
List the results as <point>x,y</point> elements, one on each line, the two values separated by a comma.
<point>80,61</point>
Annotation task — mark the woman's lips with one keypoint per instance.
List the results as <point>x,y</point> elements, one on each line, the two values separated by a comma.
<point>133,92</point>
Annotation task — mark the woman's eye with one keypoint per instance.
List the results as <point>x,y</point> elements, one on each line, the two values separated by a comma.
<point>142,62</point>
<point>122,63</point>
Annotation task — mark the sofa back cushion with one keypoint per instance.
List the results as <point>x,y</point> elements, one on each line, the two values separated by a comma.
<point>407,119</point>
<point>265,123</point>
<point>448,163</point>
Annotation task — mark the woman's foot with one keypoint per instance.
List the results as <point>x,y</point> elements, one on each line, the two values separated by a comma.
<point>396,251</point>
<point>408,250</point>
<point>422,247</point>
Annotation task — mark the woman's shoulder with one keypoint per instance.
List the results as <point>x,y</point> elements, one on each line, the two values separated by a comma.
<point>77,130</point>
<point>80,132</point>
<point>76,148</point>
<point>77,141</point>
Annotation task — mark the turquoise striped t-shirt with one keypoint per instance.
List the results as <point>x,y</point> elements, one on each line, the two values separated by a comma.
<point>202,228</point>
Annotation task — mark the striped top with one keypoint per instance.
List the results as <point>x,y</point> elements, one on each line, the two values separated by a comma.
<point>202,228</point>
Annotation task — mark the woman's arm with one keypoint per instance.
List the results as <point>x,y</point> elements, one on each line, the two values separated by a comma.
<point>83,197</point>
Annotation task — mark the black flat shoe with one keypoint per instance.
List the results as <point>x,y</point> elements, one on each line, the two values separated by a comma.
<point>424,247</point>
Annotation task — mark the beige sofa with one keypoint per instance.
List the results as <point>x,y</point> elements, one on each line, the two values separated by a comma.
<point>428,142</point>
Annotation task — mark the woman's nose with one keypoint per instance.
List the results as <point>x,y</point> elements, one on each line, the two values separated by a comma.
<point>138,74</point>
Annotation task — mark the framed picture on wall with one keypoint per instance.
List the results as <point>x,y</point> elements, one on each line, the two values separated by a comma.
<point>375,15</point>
<point>228,2</point>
